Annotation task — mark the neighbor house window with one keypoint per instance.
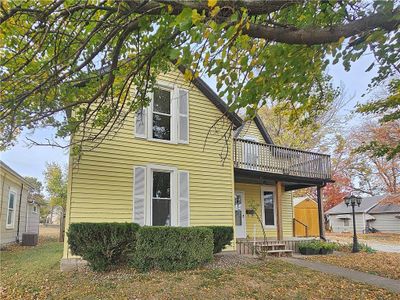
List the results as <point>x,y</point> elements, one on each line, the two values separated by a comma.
<point>161,199</point>
<point>35,209</point>
<point>346,222</point>
<point>11,209</point>
<point>162,116</point>
<point>268,206</point>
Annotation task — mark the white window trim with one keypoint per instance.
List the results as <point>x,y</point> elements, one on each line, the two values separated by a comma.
<point>179,115</point>
<point>174,114</point>
<point>35,209</point>
<point>8,225</point>
<point>241,192</point>
<point>251,138</point>
<point>268,189</point>
<point>149,197</point>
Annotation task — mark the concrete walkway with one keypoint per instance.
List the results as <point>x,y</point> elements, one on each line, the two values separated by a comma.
<point>382,282</point>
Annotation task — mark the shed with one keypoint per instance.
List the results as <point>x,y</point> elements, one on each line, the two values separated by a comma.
<point>305,220</point>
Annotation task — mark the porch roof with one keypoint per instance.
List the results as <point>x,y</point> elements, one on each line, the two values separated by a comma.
<point>291,182</point>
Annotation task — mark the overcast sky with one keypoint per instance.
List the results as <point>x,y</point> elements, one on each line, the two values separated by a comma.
<point>31,161</point>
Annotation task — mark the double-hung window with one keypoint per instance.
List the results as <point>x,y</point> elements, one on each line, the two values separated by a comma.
<point>11,209</point>
<point>162,116</point>
<point>161,198</point>
<point>166,119</point>
<point>268,199</point>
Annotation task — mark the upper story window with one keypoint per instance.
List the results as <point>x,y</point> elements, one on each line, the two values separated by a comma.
<point>11,209</point>
<point>162,114</point>
<point>166,119</point>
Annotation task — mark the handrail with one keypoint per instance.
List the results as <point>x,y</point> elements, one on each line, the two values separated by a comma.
<point>281,147</point>
<point>301,223</point>
<point>281,160</point>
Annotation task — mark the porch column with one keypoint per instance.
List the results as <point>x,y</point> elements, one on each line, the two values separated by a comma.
<point>279,225</point>
<point>320,214</point>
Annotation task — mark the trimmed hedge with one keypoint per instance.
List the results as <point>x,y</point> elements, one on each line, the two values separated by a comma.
<point>223,235</point>
<point>172,248</point>
<point>103,244</point>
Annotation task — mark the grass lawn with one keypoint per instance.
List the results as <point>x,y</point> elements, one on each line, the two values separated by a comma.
<point>384,238</point>
<point>379,263</point>
<point>33,273</point>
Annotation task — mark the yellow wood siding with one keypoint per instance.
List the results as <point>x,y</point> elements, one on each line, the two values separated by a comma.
<point>251,129</point>
<point>101,187</point>
<point>252,198</point>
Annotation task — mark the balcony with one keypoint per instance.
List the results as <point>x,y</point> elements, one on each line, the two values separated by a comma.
<point>249,155</point>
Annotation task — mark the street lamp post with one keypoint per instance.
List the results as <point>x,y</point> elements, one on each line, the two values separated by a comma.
<point>353,201</point>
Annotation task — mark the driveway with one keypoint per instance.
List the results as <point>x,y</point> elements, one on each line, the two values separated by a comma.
<point>381,242</point>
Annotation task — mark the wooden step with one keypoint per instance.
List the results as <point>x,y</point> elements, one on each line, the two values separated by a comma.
<point>280,252</point>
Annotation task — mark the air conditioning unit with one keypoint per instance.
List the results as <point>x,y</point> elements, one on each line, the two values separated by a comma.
<point>29,239</point>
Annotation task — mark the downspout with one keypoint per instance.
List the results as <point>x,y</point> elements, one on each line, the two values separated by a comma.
<point>321,212</point>
<point>19,212</point>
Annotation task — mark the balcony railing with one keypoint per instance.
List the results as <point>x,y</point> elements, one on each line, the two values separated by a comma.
<point>281,160</point>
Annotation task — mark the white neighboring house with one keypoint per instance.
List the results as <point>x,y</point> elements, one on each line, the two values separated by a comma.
<point>386,214</point>
<point>18,214</point>
<point>377,212</point>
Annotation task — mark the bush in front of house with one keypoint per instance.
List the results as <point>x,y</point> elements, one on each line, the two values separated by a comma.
<point>361,247</point>
<point>315,247</point>
<point>103,245</point>
<point>172,248</point>
<point>223,235</point>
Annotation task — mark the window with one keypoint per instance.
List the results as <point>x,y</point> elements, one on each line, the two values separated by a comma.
<point>162,114</point>
<point>161,199</point>
<point>268,205</point>
<point>238,209</point>
<point>34,209</point>
<point>166,119</point>
<point>11,209</point>
<point>161,196</point>
<point>346,222</point>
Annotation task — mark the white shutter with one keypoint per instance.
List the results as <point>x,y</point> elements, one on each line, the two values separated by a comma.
<point>183,199</point>
<point>139,195</point>
<point>183,121</point>
<point>141,123</point>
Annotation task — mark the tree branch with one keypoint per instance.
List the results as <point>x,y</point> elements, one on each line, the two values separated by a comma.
<point>314,36</point>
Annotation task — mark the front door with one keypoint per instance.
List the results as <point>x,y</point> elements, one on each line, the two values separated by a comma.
<point>240,215</point>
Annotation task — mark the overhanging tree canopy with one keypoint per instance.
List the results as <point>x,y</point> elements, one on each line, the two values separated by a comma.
<point>51,54</point>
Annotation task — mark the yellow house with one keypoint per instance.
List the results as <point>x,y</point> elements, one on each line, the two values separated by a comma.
<point>185,160</point>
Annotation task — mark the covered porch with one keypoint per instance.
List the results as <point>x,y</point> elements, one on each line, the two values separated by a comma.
<point>265,176</point>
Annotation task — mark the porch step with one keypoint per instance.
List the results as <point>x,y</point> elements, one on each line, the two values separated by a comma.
<point>279,253</point>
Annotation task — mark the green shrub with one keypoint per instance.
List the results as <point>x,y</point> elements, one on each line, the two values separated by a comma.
<point>172,248</point>
<point>103,244</point>
<point>361,246</point>
<point>316,247</point>
<point>223,235</point>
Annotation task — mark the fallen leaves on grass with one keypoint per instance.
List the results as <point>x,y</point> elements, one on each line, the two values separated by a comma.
<point>34,274</point>
<point>379,263</point>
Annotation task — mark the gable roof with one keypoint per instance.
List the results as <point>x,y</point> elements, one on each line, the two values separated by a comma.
<point>214,98</point>
<point>389,204</point>
<point>7,169</point>
<point>366,204</point>
<point>260,125</point>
